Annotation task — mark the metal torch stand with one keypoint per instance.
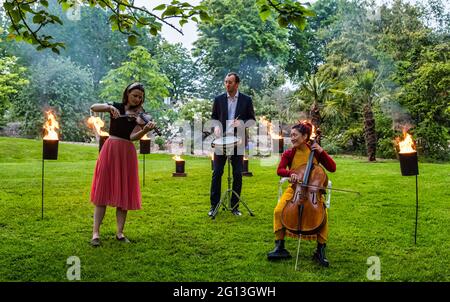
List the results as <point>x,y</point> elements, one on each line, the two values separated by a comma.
<point>228,194</point>
<point>417,210</point>
<point>143,171</point>
<point>42,207</point>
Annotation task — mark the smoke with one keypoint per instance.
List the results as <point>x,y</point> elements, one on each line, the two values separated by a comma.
<point>401,119</point>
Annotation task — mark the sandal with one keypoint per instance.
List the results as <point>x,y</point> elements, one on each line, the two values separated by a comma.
<point>95,242</point>
<point>123,239</point>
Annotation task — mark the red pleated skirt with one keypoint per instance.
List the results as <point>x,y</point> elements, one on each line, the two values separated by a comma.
<point>116,177</point>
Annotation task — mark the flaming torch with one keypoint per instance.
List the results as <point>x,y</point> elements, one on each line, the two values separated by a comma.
<point>50,139</point>
<point>96,123</point>
<point>144,148</point>
<point>277,138</point>
<point>409,166</point>
<point>50,146</point>
<point>263,133</point>
<point>144,145</point>
<point>179,166</point>
<point>408,156</point>
<point>245,171</point>
<point>277,143</point>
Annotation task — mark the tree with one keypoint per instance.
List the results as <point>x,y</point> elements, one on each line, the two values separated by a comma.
<point>239,40</point>
<point>175,62</point>
<point>141,67</point>
<point>422,69</point>
<point>60,85</point>
<point>12,80</point>
<point>428,97</point>
<point>314,92</point>
<point>272,105</point>
<point>30,18</point>
<point>89,40</point>
<point>306,48</point>
<point>196,109</point>
<point>359,72</point>
<point>363,92</point>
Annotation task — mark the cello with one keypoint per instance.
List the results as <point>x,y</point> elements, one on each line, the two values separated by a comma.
<point>304,214</point>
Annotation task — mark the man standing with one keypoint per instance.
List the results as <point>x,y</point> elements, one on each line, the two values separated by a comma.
<point>232,109</point>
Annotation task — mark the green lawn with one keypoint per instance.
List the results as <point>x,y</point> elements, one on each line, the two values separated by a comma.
<point>174,240</point>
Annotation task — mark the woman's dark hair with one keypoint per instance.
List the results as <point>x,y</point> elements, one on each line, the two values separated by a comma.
<point>304,128</point>
<point>131,87</point>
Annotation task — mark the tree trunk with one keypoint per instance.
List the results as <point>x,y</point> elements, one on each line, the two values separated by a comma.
<point>370,134</point>
<point>315,116</point>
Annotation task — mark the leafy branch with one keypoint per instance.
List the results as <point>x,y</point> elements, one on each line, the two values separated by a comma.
<point>29,17</point>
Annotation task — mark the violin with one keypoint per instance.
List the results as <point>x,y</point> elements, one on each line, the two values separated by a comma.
<point>304,214</point>
<point>141,117</point>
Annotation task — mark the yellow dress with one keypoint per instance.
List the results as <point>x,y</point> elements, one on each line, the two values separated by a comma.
<point>300,158</point>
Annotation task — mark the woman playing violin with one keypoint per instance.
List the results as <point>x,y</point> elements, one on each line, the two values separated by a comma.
<point>116,180</point>
<point>290,161</point>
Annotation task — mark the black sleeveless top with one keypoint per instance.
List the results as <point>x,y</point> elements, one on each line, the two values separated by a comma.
<point>121,127</point>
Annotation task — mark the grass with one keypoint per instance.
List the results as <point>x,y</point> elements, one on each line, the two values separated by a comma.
<point>174,240</point>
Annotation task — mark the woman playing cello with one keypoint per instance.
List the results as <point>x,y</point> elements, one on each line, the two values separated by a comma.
<point>292,159</point>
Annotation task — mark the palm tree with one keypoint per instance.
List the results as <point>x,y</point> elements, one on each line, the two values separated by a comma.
<point>363,91</point>
<point>313,92</point>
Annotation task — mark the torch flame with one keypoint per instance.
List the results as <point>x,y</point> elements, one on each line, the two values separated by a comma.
<point>145,137</point>
<point>263,120</point>
<point>50,127</point>
<point>97,123</point>
<point>177,158</point>
<point>269,126</point>
<point>266,123</point>
<point>407,144</point>
<point>275,136</point>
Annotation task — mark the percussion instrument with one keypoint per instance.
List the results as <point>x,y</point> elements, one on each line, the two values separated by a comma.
<point>225,145</point>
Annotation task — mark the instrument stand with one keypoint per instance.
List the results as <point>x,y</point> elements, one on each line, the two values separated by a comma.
<point>417,211</point>
<point>42,203</point>
<point>225,199</point>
